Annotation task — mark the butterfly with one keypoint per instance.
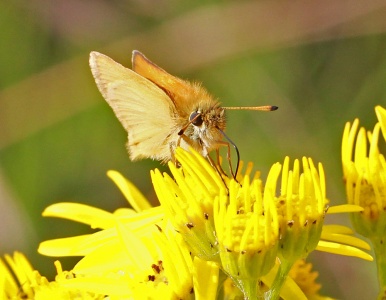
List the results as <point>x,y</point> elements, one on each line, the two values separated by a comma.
<point>160,111</point>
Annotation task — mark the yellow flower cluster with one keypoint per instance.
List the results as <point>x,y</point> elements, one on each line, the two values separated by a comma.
<point>214,237</point>
<point>208,229</point>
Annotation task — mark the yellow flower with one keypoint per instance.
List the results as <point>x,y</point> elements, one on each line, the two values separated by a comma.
<point>129,261</point>
<point>247,232</point>
<point>137,255</point>
<point>302,273</point>
<point>26,279</point>
<point>18,280</point>
<point>365,178</point>
<point>301,206</point>
<point>364,170</point>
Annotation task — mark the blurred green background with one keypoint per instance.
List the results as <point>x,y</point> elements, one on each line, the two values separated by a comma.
<point>322,62</point>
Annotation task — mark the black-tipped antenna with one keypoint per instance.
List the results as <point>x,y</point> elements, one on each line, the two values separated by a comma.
<point>237,151</point>
<point>261,108</point>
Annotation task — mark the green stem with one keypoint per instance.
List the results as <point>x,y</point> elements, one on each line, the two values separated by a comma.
<point>220,287</point>
<point>250,289</point>
<point>380,256</point>
<point>280,278</point>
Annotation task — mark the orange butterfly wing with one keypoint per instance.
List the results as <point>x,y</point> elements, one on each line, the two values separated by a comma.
<point>180,92</point>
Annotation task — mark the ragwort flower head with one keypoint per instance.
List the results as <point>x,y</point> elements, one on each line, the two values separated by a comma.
<point>364,169</point>
<point>18,280</point>
<point>135,255</point>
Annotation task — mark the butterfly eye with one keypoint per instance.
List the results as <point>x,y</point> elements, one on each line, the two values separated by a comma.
<point>196,118</point>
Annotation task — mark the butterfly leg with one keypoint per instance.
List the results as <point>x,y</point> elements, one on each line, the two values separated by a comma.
<point>220,173</point>
<point>219,162</point>
<point>172,148</point>
<point>222,143</point>
<point>205,153</point>
<point>186,140</point>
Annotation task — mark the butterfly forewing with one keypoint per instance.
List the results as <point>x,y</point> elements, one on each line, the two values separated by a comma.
<point>175,87</point>
<point>145,111</point>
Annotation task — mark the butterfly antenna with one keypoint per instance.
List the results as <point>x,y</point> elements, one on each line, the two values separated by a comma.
<point>261,108</point>
<point>237,152</point>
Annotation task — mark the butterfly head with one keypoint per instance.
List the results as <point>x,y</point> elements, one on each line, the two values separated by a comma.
<point>205,122</point>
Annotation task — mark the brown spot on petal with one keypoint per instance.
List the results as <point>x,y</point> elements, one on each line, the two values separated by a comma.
<point>156,268</point>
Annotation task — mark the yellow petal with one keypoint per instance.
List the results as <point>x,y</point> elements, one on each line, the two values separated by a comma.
<point>142,220</point>
<point>337,229</point>
<point>290,289</point>
<point>113,250</point>
<point>107,258</point>
<point>381,115</point>
<point>114,286</point>
<point>345,239</point>
<point>340,249</point>
<point>205,279</point>
<point>344,208</point>
<point>135,198</point>
<point>95,217</point>
<point>137,249</point>
<point>63,247</point>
